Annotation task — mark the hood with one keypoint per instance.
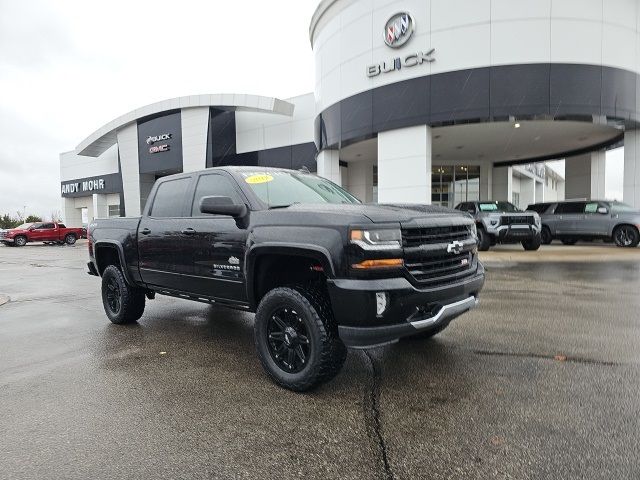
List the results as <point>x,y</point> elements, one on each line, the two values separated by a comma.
<point>381,213</point>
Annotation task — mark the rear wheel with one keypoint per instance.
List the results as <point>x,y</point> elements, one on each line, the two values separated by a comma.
<point>533,243</point>
<point>626,236</point>
<point>296,338</point>
<point>70,239</point>
<point>484,240</point>
<point>122,302</point>
<point>20,241</point>
<point>545,236</point>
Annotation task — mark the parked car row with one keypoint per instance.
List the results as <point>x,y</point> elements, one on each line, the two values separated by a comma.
<point>567,221</point>
<point>47,232</point>
<point>570,221</point>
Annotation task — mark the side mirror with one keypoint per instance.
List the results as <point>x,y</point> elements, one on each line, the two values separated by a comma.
<point>603,210</point>
<point>218,205</point>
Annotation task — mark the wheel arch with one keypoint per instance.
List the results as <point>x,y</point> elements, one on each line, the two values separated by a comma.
<point>295,256</point>
<point>111,252</point>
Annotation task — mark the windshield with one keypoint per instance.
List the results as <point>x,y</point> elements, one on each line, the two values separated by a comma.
<point>619,207</point>
<point>282,189</point>
<point>498,207</point>
<point>24,226</point>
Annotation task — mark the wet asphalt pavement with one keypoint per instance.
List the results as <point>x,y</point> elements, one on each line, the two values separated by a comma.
<point>541,381</point>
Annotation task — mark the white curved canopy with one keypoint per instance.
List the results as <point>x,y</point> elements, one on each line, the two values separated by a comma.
<point>106,136</point>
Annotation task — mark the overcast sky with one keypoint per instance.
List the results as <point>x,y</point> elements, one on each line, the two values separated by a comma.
<point>68,67</point>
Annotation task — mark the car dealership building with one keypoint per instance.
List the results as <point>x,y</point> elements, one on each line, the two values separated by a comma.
<point>421,101</point>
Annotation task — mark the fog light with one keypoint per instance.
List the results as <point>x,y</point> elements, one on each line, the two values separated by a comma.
<point>381,303</point>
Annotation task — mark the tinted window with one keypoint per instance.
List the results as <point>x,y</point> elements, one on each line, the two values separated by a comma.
<point>538,207</point>
<point>44,226</point>
<point>62,225</point>
<point>213,185</point>
<point>170,197</point>
<point>571,207</point>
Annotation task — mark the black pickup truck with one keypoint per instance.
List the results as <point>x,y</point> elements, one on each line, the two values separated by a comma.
<point>321,270</point>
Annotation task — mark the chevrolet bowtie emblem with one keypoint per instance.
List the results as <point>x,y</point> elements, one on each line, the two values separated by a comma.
<point>455,247</point>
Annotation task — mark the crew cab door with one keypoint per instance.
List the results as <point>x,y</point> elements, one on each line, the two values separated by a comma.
<point>218,244</point>
<point>164,250</point>
<point>44,232</point>
<point>568,217</point>
<point>595,223</point>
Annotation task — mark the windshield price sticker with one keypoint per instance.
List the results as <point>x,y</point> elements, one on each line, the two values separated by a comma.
<point>259,178</point>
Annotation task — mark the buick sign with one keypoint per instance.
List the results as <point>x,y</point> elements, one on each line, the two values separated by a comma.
<point>158,138</point>
<point>398,29</point>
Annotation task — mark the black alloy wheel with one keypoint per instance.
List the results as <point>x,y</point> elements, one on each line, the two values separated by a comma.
<point>122,302</point>
<point>288,339</point>
<point>297,338</point>
<point>626,236</point>
<point>113,295</point>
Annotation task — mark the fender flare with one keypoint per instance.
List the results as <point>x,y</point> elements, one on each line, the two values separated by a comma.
<point>255,252</point>
<point>120,250</point>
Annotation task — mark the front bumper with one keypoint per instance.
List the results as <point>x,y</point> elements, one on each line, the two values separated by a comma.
<point>410,310</point>
<point>515,233</point>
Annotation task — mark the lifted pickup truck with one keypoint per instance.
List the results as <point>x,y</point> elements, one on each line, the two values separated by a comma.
<point>40,232</point>
<point>320,270</point>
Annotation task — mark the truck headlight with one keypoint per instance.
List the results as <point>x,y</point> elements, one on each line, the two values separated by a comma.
<point>377,239</point>
<point>473,230</point>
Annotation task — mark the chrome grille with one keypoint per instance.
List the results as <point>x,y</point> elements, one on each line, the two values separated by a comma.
<point>517,220</point>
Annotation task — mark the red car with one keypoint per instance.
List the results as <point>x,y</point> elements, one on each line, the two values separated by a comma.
<point>48,232</point>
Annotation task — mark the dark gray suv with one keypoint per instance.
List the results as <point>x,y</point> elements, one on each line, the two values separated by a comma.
<point>575,220</point>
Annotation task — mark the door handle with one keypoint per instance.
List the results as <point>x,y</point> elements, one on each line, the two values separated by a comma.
<point>188,231</point>
<point>145,231</point>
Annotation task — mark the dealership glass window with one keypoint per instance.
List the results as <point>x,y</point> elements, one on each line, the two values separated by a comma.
<point>452,185</point>
<point>213,185</point>
<point>515,198</point>
<point>114,211</point>
<point>169,198</point>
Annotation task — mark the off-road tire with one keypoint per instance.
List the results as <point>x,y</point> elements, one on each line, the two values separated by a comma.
<point>533,243</point>
<point>545,236</point>
<point>484,240</point>
<point>20,241</point>
<point>131,299</point>
<point>327,353</point>
<point>632,236</point>
<point>70,239</point>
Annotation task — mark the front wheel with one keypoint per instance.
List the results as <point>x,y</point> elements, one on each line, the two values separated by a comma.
<point>533,243</point>
<point>20,241</point>
<point>484,240</point>
<point>296,338</point>
<point>122,303</point>
<point>626,236</point>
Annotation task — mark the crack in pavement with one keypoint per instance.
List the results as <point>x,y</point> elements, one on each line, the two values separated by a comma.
<point>372,405</point>
<point>557,358</point>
